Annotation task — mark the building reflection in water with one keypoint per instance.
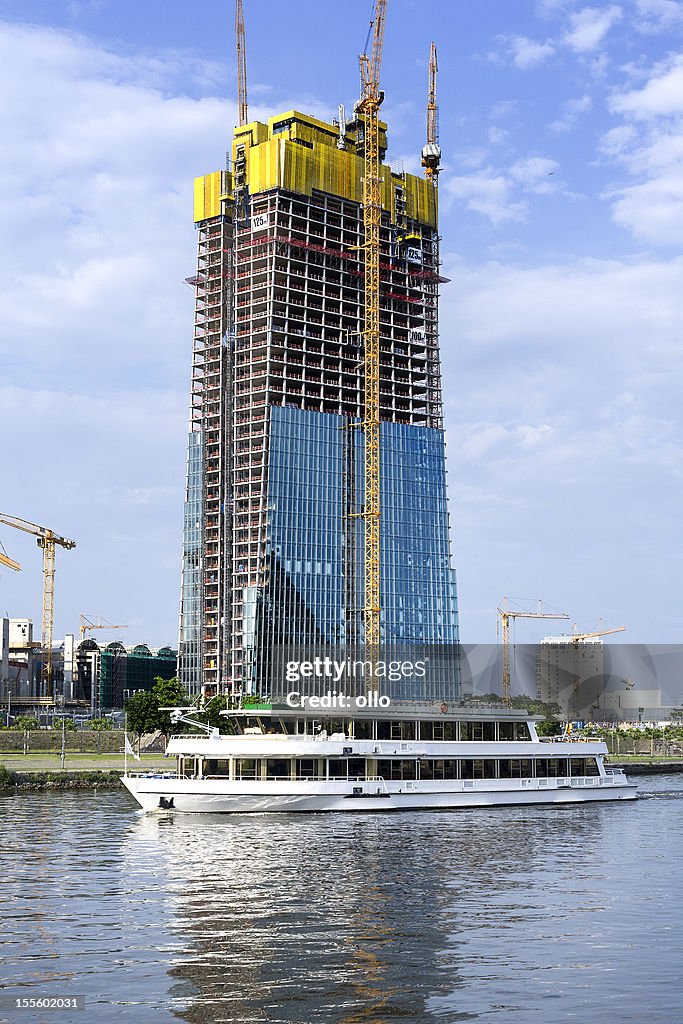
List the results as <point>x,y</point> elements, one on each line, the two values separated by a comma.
<point>355,919</point>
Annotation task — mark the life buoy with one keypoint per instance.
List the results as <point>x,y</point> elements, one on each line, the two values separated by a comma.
<point>444,708</point>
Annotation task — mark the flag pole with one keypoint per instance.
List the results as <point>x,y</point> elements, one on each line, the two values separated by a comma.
<point>125,745</point>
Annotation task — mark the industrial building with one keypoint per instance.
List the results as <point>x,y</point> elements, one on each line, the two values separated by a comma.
<point>275,555</point>
<point>89,678</point>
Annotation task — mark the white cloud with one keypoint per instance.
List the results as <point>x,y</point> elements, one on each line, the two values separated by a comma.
<point>497,136</point>
<point>97,235</point>
<point>531,171</point>
<point>499,194</point>
<point>571,112</point>
<point>589,27</point>
<point>563,419</point>
<point>649,144</point>
<point>527,53</point>
<point>661,96</point>
<point>489,193</point>
<point>658,15</point>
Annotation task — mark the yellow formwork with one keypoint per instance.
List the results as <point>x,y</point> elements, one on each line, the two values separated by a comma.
<point>207,196</point>
<point>274,159</point>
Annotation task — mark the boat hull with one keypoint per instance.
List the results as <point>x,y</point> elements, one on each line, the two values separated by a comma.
<point>170,794</point>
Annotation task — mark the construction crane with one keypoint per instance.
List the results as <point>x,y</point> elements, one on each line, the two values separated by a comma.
<point>431,152</point>
<point>576,639</point>
<point>48,541</point>
<point>368,107</point>
<point>243,111</point>
<point>87,626</point>
<point>506,613</point>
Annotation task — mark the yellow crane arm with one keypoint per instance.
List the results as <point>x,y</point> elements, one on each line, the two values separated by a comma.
<point>577,637</point>
<point>41,532</point>
<point>9,562</point>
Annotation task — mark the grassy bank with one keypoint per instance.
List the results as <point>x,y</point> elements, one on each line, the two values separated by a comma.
<point>45,761</point>
<point>21,782</point>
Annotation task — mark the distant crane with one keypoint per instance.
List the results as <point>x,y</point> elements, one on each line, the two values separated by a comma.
<point>88,626</point>
<point>368,107</point>
<point>576,639</point>
<point>431,152</point>
<point>506,613</point>
<point>243,110</point>
<point>47,540</point>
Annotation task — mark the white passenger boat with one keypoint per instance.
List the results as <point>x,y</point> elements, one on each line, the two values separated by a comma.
<point>404,757</point>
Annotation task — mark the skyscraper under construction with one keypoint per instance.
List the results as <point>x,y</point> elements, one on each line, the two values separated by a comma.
<point>273,541</point>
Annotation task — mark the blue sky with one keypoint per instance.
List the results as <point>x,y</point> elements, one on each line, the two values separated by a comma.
<point>562,222</point>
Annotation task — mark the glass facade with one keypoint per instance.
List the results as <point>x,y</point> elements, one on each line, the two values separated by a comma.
<point>190,647</point>
<point>312,572</point>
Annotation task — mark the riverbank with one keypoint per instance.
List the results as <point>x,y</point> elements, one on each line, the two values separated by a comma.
<point>21,782</point>
<point>647,767</point>
<point>43,771</point>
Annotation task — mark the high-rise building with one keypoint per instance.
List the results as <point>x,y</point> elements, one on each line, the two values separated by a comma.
<point>273,545</point>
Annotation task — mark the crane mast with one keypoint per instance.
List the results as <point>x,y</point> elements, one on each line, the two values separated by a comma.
<point>243,111</point>
<point>431,152</point>
<point>48,541</point>
<point>368,107</point>
<point>576,639</point>
<point>506,613</point>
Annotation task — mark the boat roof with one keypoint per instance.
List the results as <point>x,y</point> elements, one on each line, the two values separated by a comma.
<point>397,709</point>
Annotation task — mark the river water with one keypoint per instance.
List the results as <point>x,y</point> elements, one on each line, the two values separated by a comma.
<point>517,914</point>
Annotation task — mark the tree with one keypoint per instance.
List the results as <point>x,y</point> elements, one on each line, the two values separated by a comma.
<point>23,723</point>
<point>168,693</point>
<point>142,710</point>
<point>100,724</point>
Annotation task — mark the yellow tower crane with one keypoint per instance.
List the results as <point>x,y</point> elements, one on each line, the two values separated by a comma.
<point>88,626</point>
<point>48,541</point>
<point>431,152</point>
<point>506,613</point>
<point>576,639</point>
<point>368,109</point>
<point>243,110</point>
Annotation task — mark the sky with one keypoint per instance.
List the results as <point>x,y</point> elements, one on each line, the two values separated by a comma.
<point>561,202</point>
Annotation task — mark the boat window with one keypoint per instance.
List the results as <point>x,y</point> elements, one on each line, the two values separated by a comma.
<point>273,726</point>
<point>402,730</point>
<point>515,768</point>
<point>219,767</point>
<point>522,731</point>
<point>331,726</point>
<point>583,766</point>
<point>506,731</point>
<point>438,769</point>
<point>289,725</point>
<point>431,730</point>
<point>356,768</point>
<point>551,767</point>
<point>383,730</point>
<point>307,768</point>
<point>337,769</point>
<point>397,769</point>
<point>362,729</point>
<point>450,731</point>
<point>247,768</point>
<point>278,768</point>
<point>253,723</point>
<point>484,768</point>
